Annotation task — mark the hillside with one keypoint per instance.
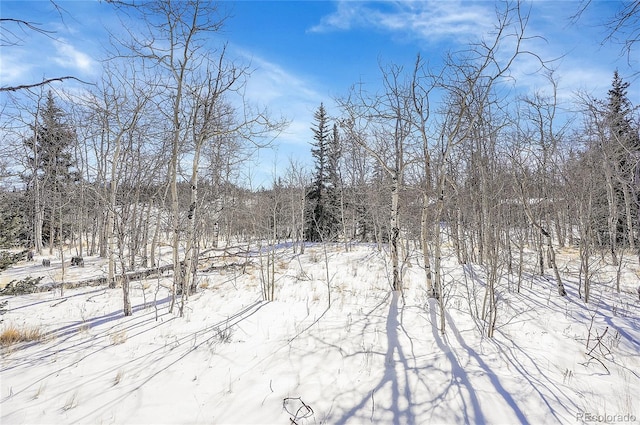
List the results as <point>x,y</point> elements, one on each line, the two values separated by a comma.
<point>373,356</point>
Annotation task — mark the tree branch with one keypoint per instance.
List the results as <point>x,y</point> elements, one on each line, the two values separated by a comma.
<point>42,83</point>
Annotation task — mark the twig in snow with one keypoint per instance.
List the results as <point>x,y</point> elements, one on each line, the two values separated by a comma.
<point>302,412</point>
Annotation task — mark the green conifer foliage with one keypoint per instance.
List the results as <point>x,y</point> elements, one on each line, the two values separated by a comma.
<point>322,209</point>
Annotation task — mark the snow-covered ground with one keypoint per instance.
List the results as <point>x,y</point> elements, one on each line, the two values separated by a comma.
<point>374,356</point>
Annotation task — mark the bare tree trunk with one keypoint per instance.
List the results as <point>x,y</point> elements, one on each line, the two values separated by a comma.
<point>540,253</point>
<point>175,224</point>
<point>438,283</point>
<point>191,261</point>
<point>126,300</point>
<point>111,274</point>
<point>135,229</point>
<point>178,73</point>
<point>103,246</point>
<point>424,241</point>
<point>585,258</point>
<point>395,234</point>
<point>613,211</point>
<point>552,253</point>
<point>38,220</point>
<point>145,237</point>
<point>111,237</point>
<point>156,232</point>
<point>125,296</point>
<point>154,242</point>
<point>52,230</point>
<point>627,205</point>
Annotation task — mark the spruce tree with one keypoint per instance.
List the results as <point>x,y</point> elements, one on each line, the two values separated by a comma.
<point>623,135</point>
<point>322,203</point>
<point>623,147</point>
<point>51,172</point>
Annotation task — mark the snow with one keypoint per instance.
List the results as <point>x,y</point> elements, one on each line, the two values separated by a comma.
<point>374,356</point>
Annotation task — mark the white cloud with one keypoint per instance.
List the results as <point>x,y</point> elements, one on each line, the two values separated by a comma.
<point>291,95</point>
<point>345,17</point>
<point>429,20</point>
<point>273,83</point>
<point>67,56</point>
<point>13,69</point>
<point>284,93</point>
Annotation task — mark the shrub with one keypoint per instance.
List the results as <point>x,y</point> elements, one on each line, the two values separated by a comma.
<point>27,285</point>
<point>7,259</point>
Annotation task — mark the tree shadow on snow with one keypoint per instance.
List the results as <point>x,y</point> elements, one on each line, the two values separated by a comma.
<point>47,300</point>
<point>166,357</point>
<point>415,383</point>
<point>459,377</point>
<point>56,349</point>
<point>396,374</point>
<point>147,365</point>
<point>61,335</point>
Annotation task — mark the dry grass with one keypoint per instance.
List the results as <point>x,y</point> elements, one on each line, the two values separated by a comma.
<point>282,264</point>
<point>84,328</point>
<point>4,280</point>
<point>118,377</point>
<point>252,281</point>
<point>12,334</point>
<point>40,390</point>
<point>118,338</point>
<point>71,402</point>
<point>314,256</point>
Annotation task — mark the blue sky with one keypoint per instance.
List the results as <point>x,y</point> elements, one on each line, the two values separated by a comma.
<point>306,52</point>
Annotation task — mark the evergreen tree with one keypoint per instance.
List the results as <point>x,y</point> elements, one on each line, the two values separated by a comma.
<point>322,202</point>
<point>50,172</point>
<point>13,220</point>
<point>623,151</point>
<point>623,135</point>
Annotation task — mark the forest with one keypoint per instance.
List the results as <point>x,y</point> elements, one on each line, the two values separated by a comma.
<point>457,250</point>
<point>436,158</point>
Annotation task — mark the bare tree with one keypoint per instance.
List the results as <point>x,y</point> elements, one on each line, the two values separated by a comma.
<point>542,206</point>
<point>196,79</point>
<point>468,84</point>
<point>378,123</point>
<point>582,176</point>
<point>296,179</point>
<point>213,120</point>
<point>174,42</point>
<point>622,28</point>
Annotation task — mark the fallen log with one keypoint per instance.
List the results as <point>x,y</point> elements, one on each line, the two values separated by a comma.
<point>98,281</point>
<point>134,276</point>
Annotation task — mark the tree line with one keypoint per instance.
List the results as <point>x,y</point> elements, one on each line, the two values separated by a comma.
<point>445,161</point>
